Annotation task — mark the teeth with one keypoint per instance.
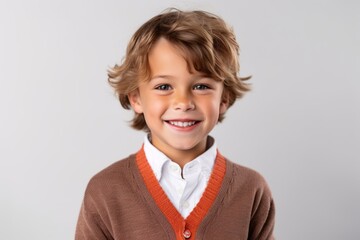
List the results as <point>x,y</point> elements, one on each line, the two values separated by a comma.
<point>182,124</point>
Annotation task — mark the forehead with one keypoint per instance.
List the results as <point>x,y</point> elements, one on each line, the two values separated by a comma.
<point>165,58</point>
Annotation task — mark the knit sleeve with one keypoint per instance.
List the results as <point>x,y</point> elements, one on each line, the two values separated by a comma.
<point>90,225</point>
<point>263,216</point>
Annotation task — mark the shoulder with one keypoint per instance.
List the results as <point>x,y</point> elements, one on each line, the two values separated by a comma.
<point>248,190</point>
<point>247,178</point>
<point>113,175</point>
<point>245,172</point>
<point>116,167</point>
<point>106,191</point>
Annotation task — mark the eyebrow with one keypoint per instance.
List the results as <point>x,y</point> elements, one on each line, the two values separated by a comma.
<point>161,76</point>
<point>195,77</point>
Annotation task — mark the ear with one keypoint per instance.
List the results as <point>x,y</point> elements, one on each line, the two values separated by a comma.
<point>224,104</point>
<point>135,101</point>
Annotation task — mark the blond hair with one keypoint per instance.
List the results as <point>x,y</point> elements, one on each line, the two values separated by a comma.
<point>209,46</point>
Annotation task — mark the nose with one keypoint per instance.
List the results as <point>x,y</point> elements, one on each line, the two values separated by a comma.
<point>183,101</point>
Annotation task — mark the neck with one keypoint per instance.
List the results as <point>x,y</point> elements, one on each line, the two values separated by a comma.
<point>185,156</point>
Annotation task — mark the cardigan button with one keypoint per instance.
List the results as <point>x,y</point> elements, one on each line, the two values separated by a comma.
<point>187,234</point>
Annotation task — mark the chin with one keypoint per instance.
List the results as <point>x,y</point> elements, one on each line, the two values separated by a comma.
<point>186,146</point>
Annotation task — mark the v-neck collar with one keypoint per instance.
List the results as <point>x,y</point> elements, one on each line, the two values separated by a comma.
<point>178,223</point>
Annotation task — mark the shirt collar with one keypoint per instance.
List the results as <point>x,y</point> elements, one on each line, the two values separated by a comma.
<point>157,159</point>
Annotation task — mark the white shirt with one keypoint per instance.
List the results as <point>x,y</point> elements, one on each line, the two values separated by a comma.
<point>183,192</point>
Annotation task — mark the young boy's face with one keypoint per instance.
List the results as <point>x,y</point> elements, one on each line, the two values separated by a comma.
<point>180,108</point>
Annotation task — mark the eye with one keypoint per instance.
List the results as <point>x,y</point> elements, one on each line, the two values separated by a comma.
<point>163,87</point>
<point>201,87</point>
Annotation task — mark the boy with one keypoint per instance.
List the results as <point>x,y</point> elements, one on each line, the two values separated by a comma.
<point>179,76</point>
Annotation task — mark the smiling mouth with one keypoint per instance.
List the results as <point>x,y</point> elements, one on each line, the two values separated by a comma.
<point>183,124</point>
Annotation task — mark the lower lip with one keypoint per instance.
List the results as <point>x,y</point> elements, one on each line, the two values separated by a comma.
<point>183,129</point>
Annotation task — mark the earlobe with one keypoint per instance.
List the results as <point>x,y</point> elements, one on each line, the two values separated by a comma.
<point>135,101</point>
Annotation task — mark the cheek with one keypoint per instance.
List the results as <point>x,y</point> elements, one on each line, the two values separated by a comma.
<point>154,107</point>
<point>211,106</point>
<point>216,108</point>
<point>156,104</point>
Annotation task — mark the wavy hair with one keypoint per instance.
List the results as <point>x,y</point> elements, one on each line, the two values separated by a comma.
<point>209,46</point>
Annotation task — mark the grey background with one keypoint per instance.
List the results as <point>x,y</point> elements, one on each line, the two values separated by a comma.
<point>61,123</point>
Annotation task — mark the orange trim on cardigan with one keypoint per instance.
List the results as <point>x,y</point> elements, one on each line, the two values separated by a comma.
<point>180,225</point>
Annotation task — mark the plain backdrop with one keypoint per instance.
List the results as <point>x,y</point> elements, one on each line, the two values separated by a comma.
<point>60,122</point>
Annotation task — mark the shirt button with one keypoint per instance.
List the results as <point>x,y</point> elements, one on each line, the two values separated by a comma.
<point>174,168</point>
<point>187,234</point>
<point>180,191</point>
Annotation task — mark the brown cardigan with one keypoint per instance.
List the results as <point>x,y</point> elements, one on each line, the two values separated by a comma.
<point>125,201</point>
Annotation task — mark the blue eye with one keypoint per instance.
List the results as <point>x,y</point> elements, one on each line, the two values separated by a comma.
<point>163,87</point>
<point>201,87</point>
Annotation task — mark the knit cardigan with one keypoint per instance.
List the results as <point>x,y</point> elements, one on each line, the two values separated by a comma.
<point>125,201</point>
